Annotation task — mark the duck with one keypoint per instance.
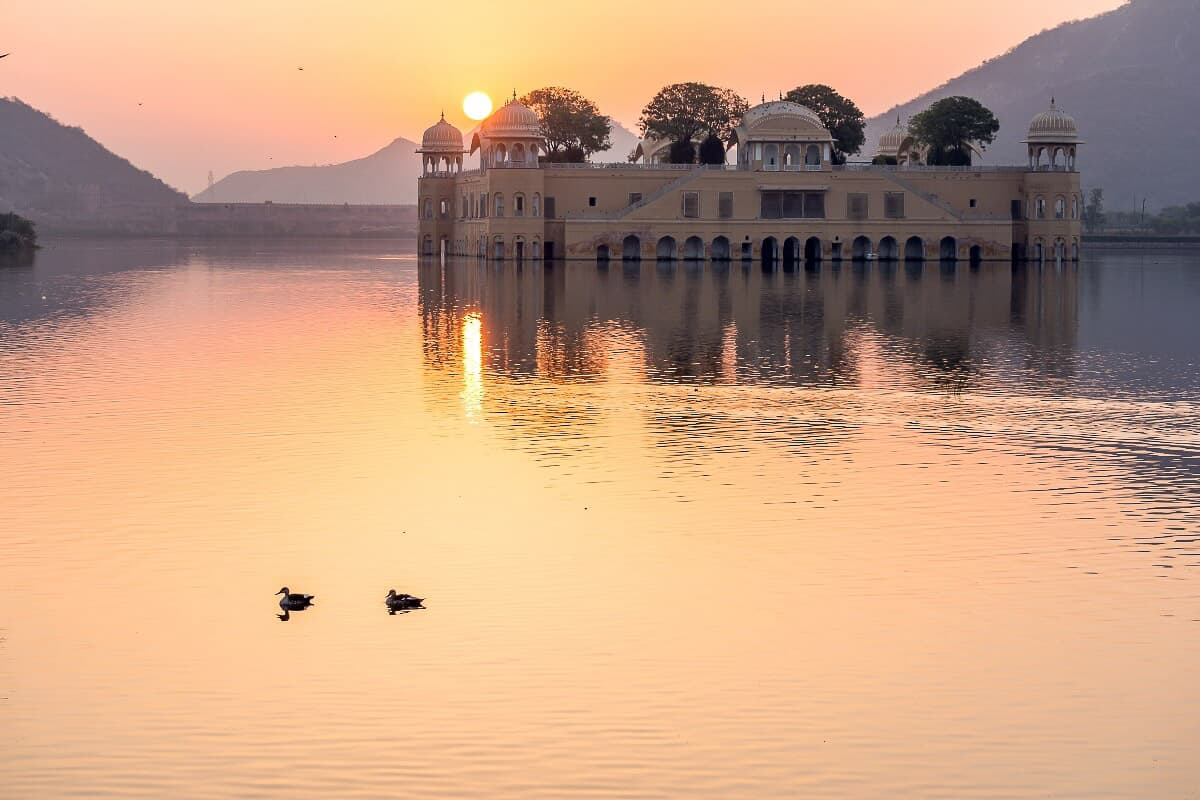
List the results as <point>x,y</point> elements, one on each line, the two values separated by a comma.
<point>402,601</point>
<point>294,602</point>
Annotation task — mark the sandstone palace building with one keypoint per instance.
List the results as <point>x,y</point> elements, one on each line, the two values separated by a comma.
<point>782,201</point>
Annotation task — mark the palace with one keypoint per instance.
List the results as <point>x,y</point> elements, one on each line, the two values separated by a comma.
<point>784,200</point>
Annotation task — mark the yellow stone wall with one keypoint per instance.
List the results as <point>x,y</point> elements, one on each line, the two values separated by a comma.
<point>937,204</point>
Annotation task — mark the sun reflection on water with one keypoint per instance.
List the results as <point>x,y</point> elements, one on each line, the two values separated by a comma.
<point>472,364</point>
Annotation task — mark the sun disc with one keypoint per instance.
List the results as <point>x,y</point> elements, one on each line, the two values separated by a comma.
<point>477,105</point>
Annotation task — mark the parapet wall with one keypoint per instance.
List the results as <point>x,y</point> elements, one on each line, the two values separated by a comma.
<point>238,219</point>
<point>286,219</point>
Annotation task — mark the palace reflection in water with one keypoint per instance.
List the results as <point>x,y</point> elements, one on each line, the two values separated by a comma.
<point>935,326</point>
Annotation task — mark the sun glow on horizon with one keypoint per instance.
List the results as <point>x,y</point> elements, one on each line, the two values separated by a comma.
<point>477,105</point>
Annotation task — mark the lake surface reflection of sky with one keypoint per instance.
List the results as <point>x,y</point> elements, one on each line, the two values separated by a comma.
<point>683,530</point>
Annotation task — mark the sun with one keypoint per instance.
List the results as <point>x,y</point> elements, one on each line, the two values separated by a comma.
<point>477,105</point>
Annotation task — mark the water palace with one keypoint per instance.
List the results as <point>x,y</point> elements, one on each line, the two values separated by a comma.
<point>784,200</point>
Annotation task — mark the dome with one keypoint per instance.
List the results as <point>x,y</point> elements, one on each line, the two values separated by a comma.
<point>1053,126</point>
<point>893,140</point>
<point>780,121</point>
<point>780,111</point>
<point>513,119</point>
<point>442,138</point>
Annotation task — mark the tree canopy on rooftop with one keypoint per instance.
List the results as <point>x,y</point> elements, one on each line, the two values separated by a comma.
<point>839,114</point>
<point>572,125</point>
<point>685,112</point>
<point>952,128</point>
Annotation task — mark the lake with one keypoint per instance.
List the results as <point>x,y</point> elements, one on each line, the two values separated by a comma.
<point>684,531</point>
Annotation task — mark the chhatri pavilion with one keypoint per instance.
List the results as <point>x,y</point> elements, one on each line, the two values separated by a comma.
<point>783,200</point>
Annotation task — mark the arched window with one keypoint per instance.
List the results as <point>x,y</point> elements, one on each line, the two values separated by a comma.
<point>443,208</point>
<point>428,208</point>
<point>812,156</point>
<point>518,205</point>
<point>499,205</point>
<point>536,208</point>
<point>501,155</point>
<point>1074,206</point>
<point>1060,208</point>
<point>483,205</point>
<point>1039,208</point>
<point>791,155</point>
<point>771,157</point>
<point>533,159</point>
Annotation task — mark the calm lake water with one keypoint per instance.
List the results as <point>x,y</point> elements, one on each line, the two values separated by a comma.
<point>686,532</point>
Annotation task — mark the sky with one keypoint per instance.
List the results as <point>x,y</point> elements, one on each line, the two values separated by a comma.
<point>185,87</point>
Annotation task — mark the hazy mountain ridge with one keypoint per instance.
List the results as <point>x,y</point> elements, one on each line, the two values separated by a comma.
<point>1131,79</point>
<point>54,173</point>
<point>386,177</point>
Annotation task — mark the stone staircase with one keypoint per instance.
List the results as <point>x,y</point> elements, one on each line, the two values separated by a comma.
<point>621,213</point>
<point>932,199</point>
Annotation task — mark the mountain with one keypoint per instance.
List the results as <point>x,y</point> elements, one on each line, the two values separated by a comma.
<point>624,142</point>
<point>1131,79</point>
<point>60,177</point>
<point>387,177</point>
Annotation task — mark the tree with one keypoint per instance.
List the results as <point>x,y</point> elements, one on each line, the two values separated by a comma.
<point>952,127</point>
<point>17,234</point>
<point>683,112</point>
<point>683,152</point>
<point>572,125</point>
<point>839,114</point>
<point>712,151</point>
<point>1093,212</point>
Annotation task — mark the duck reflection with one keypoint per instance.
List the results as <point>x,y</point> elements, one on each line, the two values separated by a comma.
<point>402,603</point>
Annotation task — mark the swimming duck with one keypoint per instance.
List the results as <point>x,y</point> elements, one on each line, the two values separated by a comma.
<point>402,601</point>
<point>294,602</point>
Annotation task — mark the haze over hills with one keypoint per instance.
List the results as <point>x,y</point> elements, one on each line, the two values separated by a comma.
<point>387,177</point>
<point>1131,79</point>
<point>59,176</point>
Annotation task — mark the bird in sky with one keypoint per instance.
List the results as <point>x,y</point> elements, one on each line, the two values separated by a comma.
<point>6,55</point>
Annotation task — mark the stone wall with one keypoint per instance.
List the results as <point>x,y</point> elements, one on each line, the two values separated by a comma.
<point>239,219</point>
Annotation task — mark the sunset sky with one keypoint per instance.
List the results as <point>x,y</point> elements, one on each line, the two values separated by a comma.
<point>221,88</point>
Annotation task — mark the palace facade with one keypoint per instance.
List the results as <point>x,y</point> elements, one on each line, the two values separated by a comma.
<point>784,200</point>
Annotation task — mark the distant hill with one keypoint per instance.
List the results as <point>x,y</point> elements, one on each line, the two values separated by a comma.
<point>1131,78</point>
<point>60,177</point>
<point>624,142</point>
<point>386,177</point>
